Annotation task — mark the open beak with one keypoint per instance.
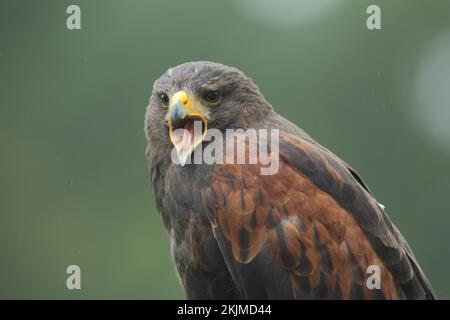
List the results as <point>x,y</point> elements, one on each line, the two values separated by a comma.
<point>187,125</point>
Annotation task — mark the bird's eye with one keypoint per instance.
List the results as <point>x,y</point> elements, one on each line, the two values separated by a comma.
<point>212,97</point>
<point>165,99</point>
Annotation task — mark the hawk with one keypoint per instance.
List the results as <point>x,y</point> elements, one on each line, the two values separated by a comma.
<point>310,230</point>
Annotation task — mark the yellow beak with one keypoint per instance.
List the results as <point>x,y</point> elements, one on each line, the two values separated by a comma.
<point>187,125</point>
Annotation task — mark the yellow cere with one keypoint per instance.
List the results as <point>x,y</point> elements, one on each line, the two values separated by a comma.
<point>183,97</point>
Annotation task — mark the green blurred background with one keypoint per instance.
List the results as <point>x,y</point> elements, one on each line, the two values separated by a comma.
<point>74,184</point>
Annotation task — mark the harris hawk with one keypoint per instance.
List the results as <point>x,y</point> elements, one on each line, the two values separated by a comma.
<point>312,230</point>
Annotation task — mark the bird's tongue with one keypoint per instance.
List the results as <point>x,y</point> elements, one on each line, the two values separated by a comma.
<point>187,138</point>
<point>184,139</point>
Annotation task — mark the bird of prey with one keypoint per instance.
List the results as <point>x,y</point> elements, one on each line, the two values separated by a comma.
<point>312,230</point>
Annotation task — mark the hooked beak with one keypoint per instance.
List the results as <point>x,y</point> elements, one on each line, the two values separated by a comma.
<point>187,125</point>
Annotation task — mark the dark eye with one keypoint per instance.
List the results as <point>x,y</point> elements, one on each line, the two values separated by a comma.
<point>164,99</point>
<point>212,97</point>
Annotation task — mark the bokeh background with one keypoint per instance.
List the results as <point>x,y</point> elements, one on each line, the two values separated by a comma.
<point>74,185</point>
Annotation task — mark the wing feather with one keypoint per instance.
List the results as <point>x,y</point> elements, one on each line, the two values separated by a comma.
<point>314,224</point>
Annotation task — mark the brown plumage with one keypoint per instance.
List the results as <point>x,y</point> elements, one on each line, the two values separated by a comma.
<point>310,231</point>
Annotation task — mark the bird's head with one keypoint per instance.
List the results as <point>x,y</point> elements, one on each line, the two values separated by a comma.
<point>200,96</point>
